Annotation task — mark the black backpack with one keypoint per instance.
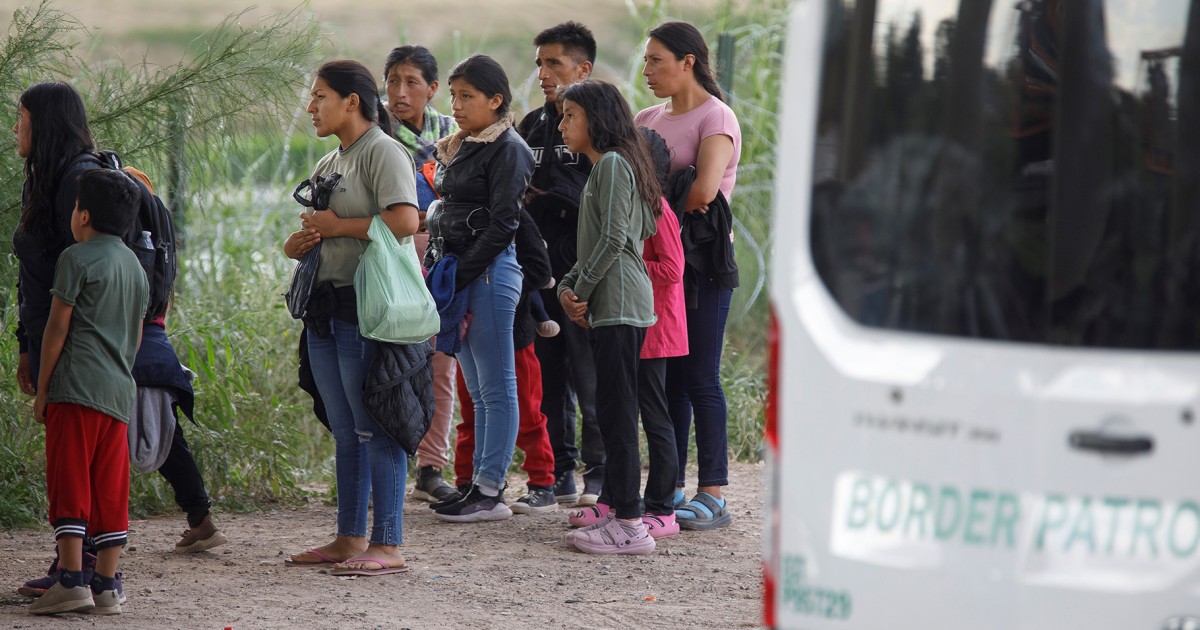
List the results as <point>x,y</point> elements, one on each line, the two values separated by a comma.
<point>157,253</point>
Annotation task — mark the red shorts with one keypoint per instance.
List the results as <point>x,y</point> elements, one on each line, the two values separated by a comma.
<point>87,474</point>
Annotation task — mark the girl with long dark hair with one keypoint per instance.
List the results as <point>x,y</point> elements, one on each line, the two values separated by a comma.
<point>377,178</point>
<point>702,132</point>
<point>54,138</point>
<point>608,291</point>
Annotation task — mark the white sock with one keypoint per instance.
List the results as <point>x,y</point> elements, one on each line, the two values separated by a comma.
<point>488,492</point>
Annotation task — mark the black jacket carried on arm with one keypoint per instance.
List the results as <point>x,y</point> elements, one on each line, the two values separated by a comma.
<point>706,237</point>
<point>482,181</point>
<point>558,180</point>
<point>535,269</point>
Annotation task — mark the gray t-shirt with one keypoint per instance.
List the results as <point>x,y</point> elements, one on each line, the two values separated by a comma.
<point>377,172</point>
<point>102,280</point>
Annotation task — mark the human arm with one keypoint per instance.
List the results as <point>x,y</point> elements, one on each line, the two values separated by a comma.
<point>24,378</point>
<point>575,309</point>
<point>712,159</point>
<point>532,255</point>
<point>663,252</point>
<point>300,242</point>
<point>611,187</point>
<point>53,341</point>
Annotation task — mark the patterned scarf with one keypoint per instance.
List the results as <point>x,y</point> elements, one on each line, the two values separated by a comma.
<point>422,146</point>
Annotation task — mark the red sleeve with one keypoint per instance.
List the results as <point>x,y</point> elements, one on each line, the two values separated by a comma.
<point>663,252</point>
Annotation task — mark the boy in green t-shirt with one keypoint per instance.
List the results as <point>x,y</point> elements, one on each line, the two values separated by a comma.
<point>86,391</point>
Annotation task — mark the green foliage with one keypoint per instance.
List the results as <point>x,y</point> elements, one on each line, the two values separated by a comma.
<point>234,80</point>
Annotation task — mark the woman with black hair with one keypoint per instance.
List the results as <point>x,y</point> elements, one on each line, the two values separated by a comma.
<point>56,143</point>
<point>377,178</point>
<point>702,132</point>
<point>484,171</point>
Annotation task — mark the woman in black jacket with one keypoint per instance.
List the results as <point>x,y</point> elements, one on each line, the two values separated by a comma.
<point>484,171</point>
<point>56,143</point>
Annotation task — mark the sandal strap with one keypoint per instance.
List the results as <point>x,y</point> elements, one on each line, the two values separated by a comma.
<point>704,506</point>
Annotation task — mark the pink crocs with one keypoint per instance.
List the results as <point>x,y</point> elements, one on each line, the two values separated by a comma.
<point>588,516</point>
<point>661,525</point>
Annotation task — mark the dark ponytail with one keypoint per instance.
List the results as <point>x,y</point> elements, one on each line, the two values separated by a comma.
<point>348,77</point>
<point>59,132</point>
<point>683,39</point>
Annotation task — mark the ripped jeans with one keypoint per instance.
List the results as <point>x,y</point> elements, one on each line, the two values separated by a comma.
<point>368,463</point>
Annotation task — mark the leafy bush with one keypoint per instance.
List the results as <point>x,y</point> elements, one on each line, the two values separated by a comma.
<point>164,120</point>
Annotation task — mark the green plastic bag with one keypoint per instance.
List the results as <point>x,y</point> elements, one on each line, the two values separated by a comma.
<point>393,303</point>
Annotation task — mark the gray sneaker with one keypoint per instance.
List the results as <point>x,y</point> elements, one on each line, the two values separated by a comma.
<point>592,487</point>
<point>564,488</point>
<point>540,499</point>
<point>107,603</point>
<point>430,485</point>
<point>59,599</point>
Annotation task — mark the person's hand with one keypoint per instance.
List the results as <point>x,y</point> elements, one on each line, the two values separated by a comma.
<point>325,222</point>
<point>300,243</point>
<point>39,409</point>
<point>576,310</point>
<point>24,378</point>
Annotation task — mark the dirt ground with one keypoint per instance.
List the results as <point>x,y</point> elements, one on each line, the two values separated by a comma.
<point>517,573</point>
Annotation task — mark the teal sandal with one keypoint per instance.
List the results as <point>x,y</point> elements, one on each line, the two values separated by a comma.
<point>703,512</point>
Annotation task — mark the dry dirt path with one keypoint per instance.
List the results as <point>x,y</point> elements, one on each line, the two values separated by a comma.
<point>511,574</point>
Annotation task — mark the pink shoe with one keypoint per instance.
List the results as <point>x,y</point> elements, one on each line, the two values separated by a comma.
<point>661,525</point>
<point>588,516</point>
<point>616,537</point>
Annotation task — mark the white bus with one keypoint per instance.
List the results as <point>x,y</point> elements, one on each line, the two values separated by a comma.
<point>985,356</point>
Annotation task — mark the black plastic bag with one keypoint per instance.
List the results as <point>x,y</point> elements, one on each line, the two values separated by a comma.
<point>303,280</point>
<point>305,276</point>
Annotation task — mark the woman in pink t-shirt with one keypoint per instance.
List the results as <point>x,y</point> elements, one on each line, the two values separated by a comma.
<point>702,132</point>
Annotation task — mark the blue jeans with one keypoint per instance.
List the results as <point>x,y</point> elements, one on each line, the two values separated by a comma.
<point>367,462</point>
<point>694,387</point>
<point>488,367</point>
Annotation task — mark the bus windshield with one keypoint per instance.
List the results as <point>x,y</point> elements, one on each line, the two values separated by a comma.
<point>1023,171</point>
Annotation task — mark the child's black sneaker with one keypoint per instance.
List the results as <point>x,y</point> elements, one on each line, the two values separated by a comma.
<point>453,498</point>
<point>564,488</point>
<point>475,507</point>
<point>593,486</point>
<point>539,499</point>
